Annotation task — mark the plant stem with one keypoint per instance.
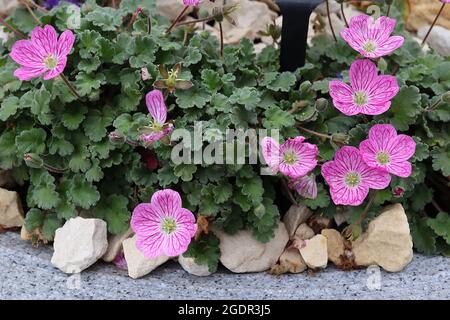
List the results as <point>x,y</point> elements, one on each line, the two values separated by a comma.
<point>432,25</point>
<point>177,19</point>
<point>329,21</point>
<point>207,19</point>
<point>53,169</point>
<point>433,106</point>
<point>11,28</point>
<point>25,3</point>
<point>71,87</point>
<point>343,15</point>
<point>221,39</point>
<point>132,20</point>
<point>366,209</point>
<point>388,10</point>
<point>318,134</point>
<point>288,191</point>
<point>34,4</point>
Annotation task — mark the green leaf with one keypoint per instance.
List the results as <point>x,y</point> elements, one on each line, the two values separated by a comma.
<point>205,251</point>
<point>34,219</point>
<point>9,107</point>
<point>40,106</point>
<point>144,53</point>
<point>60,146</point>
<point>31,141</point>
<point>51,223</point>
<point>88,84</point>
<point>441,225</point>
<point>185,171</point>
<point>193,97</point>
<point>322,200</point>
<point>96,123</point>
<point>283,82</point>
<point>222,192</point>
<point>405,107</point>
<point>441,160</point>
<point>247,96</point>
<point>276,118</point>
<point>114,210</point>
<point>45,196</point>
<point>107,18</point>
<point>82,193</point>
<point>166,176</point>
<point>252,188</point>
<point>422,195</point>
<point>193,56</point>
<point>422,151</point>
<point>423,236</point>
<point>211,80</point>
<point>72,116</point>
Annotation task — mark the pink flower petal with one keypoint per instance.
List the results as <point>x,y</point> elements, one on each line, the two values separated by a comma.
<point>271,153</point>
<point>375,178</point>
<point>342,95</point>
<point>28,73</point>
<point>45,40</point>
<point>382,136</point>
<point>362,74</point>
<point>403,148</point>
<point>402,169</point>
<point>389,46</point>
<point>24,53</point>
<point>65,43</point>
<point>167,201</point>
<point>305,186</point>
<point>349,196</point>
<point>305,152</point>
<point>62,61</point>
<point>156,106</point>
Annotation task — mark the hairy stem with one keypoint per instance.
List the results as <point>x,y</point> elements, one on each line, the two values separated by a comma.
<point>53,169</point>
<point>207,19</point>
<point>71,87</point>
<point>366,209</point>
<point>343,14</point>
<point>12,29</point>
<point>221,39</point>
<point>388,10</point>
<point>329,21</point>
<point>177,19</point>
<point>314,133</point>
<point>433,24</point>
<point>288,191</point>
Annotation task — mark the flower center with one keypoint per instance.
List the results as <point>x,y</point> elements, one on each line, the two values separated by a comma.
<point>383,158</point>
<point>168,225</point>
<point>352,179</point>
<point>369,46</point>
<point>290,157</point>
<point>360,98</point>
<point>50,62</point>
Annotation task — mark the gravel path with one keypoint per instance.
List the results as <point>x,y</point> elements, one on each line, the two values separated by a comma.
<point>26,273</point>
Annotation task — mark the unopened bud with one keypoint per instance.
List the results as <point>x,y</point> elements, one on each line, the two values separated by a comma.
<point>260,210</point>
<point>321,104</point>
<point>340,138</point>
<point>33,160</point>
<point>145,75</point>
<point>398,192</point>
<point>305,86</point>
<point>446,97</point>
<point>117,138</point>
<point>382,65</point>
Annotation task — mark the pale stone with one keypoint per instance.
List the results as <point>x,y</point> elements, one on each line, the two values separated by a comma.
<point>11,212</point>
<point>335,245</point>
<point>170,8</point>
<point>292,261</point>
<point>295,216</point>
<point>7,6</point>
<point>189,265</point>
<point>439,39</point>
<point>387,241</point>
<point>242,252</point>
<point>115,245</point>
<point>314,253</point>
<point>423,12</point>
<point>318,223</point>
<point>304,232</point>
<point>138,264</point>
<point>79,243</point>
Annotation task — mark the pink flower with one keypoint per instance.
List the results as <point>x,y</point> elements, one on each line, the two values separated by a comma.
<point>388,151</point>
<point>369,92</point>
<point>191,3</point>
<point>398,192</point>
<point>370,38</point>
<point>445,1</point>
<point>350,178</point>
<point>163,227</point>
<point>43,54</point>
<point>294,158</point>
<point>120,262</point>
<point>305,186</point>
<point>158,111</point>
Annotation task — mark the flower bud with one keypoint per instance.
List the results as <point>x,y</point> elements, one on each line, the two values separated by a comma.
<point>446,97</point>
<point>382,65</point>
<point>117,138</point>
<point>321,104</point>
<point>260,210</point>
<point>33,160</point>
<point>305,86</point>
<point>340,138</point>
<point>398,191</point>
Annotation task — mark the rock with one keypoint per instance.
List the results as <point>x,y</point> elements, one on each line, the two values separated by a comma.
<point>115,245</point>
<point>11,212</point>
<point>191,267</point>
<point>387,241</point>
<point>241,252</point>
<point>439,39</point>
<point>7,6</point>
<point>6,180</point>
<point>304,232</point>
<point>138,264</point>
<point>291,261</point>
<point>251,17</point>
<point>318,223</point>
<point>79,244</point>
<point>170,8</point>
<point>335,245</point>
<point>315,252</point>
<point>35,237</point>
<point>423,12</point>
<point>295,216</point>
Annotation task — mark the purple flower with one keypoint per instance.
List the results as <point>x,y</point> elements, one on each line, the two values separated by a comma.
<point>370,38</point>
<point>163,227</point>
<point>294,158</point>
<point>53,3</point>
<point>388,151</point>
<point>43,54</point>
<point>158,111</point>
<point>369,92</point>
<point>305,186</point>
<point>191,3</point>
<point>350,178</point>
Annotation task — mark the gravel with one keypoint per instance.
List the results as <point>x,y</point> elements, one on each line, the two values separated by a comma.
<point>26,273</point>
